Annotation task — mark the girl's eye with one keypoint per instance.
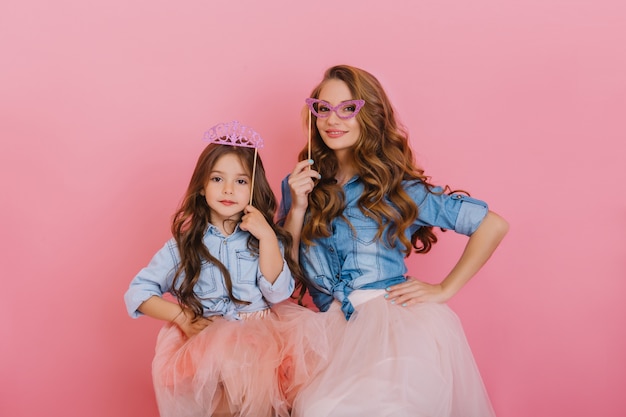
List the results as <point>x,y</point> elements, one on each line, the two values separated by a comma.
<point>215,179</point>
<point>242,181</point>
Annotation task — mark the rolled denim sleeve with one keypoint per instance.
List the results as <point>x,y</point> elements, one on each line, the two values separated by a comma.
<point>154,279</point>
<point>457,212</point>
<point>471,214</point>
<point>281,289</point>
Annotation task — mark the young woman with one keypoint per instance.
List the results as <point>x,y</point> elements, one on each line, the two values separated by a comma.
<point>356,209</point>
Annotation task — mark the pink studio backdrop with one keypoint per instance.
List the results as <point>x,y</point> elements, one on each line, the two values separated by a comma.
<point>103,105</point>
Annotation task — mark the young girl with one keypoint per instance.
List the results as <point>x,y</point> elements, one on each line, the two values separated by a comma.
<point>356,209</point>
<point>223,351</point>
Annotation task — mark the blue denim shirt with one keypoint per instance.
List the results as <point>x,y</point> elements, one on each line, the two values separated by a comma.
<point>337,265</point>
<point>248,282</point>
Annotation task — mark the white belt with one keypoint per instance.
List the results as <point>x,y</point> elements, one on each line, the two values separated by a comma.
<point>357,297</point>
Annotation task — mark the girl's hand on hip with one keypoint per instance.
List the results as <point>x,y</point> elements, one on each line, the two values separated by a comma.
<point>414,291</point>
<point>189,327</point>
<point>301,183</point>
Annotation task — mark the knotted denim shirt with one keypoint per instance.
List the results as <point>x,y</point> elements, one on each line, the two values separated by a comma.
<point>354,259</point>
<point>232,251</point>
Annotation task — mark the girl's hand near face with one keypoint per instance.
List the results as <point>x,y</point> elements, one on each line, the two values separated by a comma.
<point>301,183</point>
<point>254,222</point>
<point>270,256</point>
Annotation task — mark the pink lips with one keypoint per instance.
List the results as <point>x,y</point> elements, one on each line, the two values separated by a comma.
<point>227,202</point>
<point>335,133</point>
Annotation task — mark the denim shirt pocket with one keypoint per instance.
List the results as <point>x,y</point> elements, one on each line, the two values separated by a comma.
<point>207,286</point>
<point>364,229</point>
<point>366,246</point>
<point>247,267</point>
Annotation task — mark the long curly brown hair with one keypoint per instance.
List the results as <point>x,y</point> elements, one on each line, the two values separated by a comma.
<point>383,159</point>
<point>191,220</point>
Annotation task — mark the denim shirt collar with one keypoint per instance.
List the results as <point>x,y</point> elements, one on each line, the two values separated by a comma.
<point>214,230</point>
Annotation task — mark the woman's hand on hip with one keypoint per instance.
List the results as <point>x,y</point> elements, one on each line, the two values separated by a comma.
<point>414,291</point>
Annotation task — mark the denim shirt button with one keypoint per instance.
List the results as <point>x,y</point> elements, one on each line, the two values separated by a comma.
<point>331,250</point>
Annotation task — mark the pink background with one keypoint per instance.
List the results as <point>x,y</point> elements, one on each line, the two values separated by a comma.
<point>103,104</point>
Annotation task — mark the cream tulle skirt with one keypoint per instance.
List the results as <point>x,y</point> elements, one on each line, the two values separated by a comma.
<point>249,368</point>
<point>394,361</point>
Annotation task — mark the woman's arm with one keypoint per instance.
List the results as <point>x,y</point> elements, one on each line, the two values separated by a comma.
<point>300,185</point>
<point>480,246</point>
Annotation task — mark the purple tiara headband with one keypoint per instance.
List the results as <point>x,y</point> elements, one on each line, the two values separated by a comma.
<point>234,134</point>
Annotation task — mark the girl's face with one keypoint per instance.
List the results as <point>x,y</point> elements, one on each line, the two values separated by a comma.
<point>340,135</point>
<point>227,190</point>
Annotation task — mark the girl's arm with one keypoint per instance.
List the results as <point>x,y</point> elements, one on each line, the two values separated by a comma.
<point>144,295</point>
<point>480,246</point>
<point>300,185</point>
<point>161,309</point>
<point>270,256</point>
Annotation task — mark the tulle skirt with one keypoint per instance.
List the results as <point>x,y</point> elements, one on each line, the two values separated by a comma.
<point>395,361</point>
<point>248,368</point>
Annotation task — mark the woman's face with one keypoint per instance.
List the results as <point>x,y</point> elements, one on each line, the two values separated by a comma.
<point>340,135</point>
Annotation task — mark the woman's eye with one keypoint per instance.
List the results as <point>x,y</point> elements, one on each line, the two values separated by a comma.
<point>323,109</point>
<point>349,109</point>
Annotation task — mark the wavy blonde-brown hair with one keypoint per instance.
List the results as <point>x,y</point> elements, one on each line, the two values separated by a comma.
<point>383,159</point>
